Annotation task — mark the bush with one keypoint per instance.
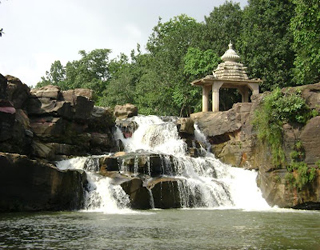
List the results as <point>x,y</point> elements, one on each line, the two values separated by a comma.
<point>303,176</point>
<point>277,109</point>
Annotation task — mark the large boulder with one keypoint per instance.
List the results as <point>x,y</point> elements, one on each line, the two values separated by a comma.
<point>185,126</point>
<point>17,92</point>
<point>29,185</point>
<point>230,134</point>
<point>125,111</point>
<point>101,119</point>
<point>140,196</point>
<point>160,192</point>
<point>311,93</point>
<point>166,193</point>
<point>68,122</point>
<point>50,92</point>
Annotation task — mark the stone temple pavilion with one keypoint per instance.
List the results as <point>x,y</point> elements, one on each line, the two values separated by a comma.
<point>229,74</point>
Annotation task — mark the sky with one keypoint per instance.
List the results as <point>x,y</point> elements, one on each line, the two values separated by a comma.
<point>38,32</point>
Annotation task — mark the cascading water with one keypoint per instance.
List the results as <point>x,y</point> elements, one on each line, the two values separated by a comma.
<point>202,181</point>
<point>102,195</point>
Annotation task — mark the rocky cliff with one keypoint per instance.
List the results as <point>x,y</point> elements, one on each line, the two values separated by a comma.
<point>234,141</point>
<point>30,185</point>
<point>39,126</point>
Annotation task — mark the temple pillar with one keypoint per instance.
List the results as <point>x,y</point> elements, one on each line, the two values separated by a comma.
<point>254,87</point>
<point>215,95</point>
<point>244,91</point>
<point>205,98</point>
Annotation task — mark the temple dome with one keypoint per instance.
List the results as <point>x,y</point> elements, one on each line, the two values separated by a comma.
<point>230,55</point>
<point>230,69</point>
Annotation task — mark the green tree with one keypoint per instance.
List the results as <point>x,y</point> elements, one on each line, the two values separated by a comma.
<point>266,42</point>
<point>200,63</point>
<point>306,32</point>
<point>55,76</point>
<point>167,47</point>
<point>221,26</point>
<point>91,71</point>
<point>121,87</point>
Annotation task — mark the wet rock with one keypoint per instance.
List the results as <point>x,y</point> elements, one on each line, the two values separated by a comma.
<point>139,195</point>
<point>51,150</point>
<point>29,185</point>
<point>231,134</point>
<point>185,126</point>
<point>139,163</point>
<point>278,192</point>
<point>101,143</point>
<point>165,193</point>
<point>127,127</point>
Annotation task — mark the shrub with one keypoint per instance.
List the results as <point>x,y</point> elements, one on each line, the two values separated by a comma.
<point>277,109</point>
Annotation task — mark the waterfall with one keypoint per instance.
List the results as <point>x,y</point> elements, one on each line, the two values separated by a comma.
<point>101,194</point>
<point>201,182</point>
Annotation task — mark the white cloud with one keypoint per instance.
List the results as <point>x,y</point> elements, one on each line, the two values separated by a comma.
<point>38,32</point>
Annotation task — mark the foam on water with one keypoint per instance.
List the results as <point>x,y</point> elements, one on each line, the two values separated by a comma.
<point>205,181</point>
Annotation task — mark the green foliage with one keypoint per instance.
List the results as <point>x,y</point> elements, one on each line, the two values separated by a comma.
<point>306,32</point>
<point>182,50</point>
<point>278,108</point>
<point>200,63</point>
<point>266,40</point>
<point>91,71</point>
<point>300,175</point>
<point>167,46</point>
<point>221,26</point>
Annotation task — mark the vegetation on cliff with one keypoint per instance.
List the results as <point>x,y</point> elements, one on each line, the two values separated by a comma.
<point>278,41</point>
<point>278,108</point>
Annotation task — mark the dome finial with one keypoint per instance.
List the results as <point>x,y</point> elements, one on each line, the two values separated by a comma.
<point>230,54</point>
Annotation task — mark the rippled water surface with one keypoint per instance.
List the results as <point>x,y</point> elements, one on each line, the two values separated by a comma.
<point>162,229</point>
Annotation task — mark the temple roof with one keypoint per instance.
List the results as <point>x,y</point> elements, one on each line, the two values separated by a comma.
<point>230,69</point>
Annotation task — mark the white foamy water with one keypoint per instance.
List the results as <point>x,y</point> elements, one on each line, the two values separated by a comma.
<point>205,181</point>
<point>218,184</point>
<point>101,195</point>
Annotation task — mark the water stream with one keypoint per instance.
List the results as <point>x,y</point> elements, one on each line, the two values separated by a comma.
<point>230,214</point>
<point>205,181</point>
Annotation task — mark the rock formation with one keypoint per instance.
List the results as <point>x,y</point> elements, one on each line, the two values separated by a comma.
<point>40,126</point>
<point>234,141</point>
<point>29,185</point>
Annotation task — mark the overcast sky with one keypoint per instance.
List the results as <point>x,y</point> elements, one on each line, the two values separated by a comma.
<point>38,32</point>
